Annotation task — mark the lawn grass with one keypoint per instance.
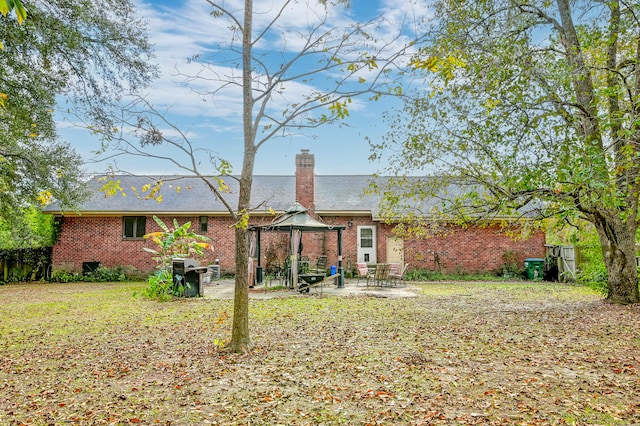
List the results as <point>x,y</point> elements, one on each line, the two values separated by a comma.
<point>459,353</point>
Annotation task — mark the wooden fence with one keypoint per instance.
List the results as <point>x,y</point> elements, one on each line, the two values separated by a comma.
<point>29,264</point>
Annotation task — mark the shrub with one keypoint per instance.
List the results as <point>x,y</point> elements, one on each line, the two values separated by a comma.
<point>101,274</point>
<point>428,275</point>
<point>24,264</point>
<point>593,271</point>
<point>595,276</point>
<point>65,277</point>
<point>510,270</point>
<point>160,286</point>
<point>510,267</point>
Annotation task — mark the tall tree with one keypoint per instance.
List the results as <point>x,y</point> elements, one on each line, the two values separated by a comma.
<point>531,105</point>
<point>86,52</point>
<point>315,74</point>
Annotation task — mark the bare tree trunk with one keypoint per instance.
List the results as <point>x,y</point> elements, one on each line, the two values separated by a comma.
<point>240,341</point>
<point>617,238</point>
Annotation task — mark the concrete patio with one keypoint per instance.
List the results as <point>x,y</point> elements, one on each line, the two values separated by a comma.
<point>223,289</point>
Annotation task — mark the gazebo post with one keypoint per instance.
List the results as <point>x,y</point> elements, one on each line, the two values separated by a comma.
<point>259,267</point>
<point>340,270</point>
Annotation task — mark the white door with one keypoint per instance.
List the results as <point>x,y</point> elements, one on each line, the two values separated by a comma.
<point>367,244</point>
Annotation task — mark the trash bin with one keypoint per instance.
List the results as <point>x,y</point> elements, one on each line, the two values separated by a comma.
<point>186,277</point>
<point>215,272</point>
<point>534,268</point>
<point>333,269</point>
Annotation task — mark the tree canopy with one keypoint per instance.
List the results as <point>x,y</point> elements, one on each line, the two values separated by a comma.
<point>529,105</point>
<point>82,53</point>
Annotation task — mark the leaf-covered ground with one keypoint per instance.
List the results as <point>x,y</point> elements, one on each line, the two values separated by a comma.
<point>460,353</point>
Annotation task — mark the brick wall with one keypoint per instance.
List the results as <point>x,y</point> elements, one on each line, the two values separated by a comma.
<point>459,250</point>
<point>99,239</point>
<point>471,250</point>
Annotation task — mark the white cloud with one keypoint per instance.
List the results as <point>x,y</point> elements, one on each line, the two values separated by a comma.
<point>184,29</point>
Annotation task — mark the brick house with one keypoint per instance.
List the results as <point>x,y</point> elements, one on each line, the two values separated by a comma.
<point>108,229</point>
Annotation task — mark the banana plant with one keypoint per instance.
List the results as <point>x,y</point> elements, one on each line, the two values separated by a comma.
<point>180,241</point>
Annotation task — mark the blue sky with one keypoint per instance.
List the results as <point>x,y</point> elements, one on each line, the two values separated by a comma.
<point>181,29</point>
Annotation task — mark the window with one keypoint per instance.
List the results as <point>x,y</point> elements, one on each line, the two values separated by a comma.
<point>366,238</point>
<point>134,226</point>
<point>204,223</point>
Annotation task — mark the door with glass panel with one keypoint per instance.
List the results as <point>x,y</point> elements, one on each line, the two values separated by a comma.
<point>367,244</point>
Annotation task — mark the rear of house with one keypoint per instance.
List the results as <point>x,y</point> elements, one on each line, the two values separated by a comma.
<point>108,229</point>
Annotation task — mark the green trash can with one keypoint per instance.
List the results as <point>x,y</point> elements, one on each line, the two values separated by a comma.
<point>534,268</point>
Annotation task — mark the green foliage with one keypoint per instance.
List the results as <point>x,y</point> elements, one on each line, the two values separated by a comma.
<point>178,242</point>
<point>31,229</point>
<point>417,274</point>
<point>63,276</point>
<point>7,6</point>
<point>90,53</point>
<point>160,286</point>
<point>501,113</point>
<point>595,276</point>
<point>592,270</point>
<point>511,271</point>
<point>24,264</point>
<point>510,267</point>
<point>101,274</point>
<point>522,114</point>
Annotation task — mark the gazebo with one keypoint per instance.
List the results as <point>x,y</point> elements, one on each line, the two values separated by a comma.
<point>296,220</point>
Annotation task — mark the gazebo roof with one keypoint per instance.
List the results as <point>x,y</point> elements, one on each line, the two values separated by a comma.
<point>296,217</point>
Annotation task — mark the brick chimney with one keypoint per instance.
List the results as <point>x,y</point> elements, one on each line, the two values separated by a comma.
<point>305,176</point>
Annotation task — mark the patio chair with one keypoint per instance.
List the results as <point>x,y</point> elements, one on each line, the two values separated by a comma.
<point>397,276</point>
<point>394,269</point>
<point>275,271</point>
<point>303,265</point>
<point>321,265</point>
<point>363,271</point>
<point>380,276</point>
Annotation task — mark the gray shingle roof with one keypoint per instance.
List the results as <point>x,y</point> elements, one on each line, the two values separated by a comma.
<point>335,194</point>
<point>344,193</point>
<point>332,194</point>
